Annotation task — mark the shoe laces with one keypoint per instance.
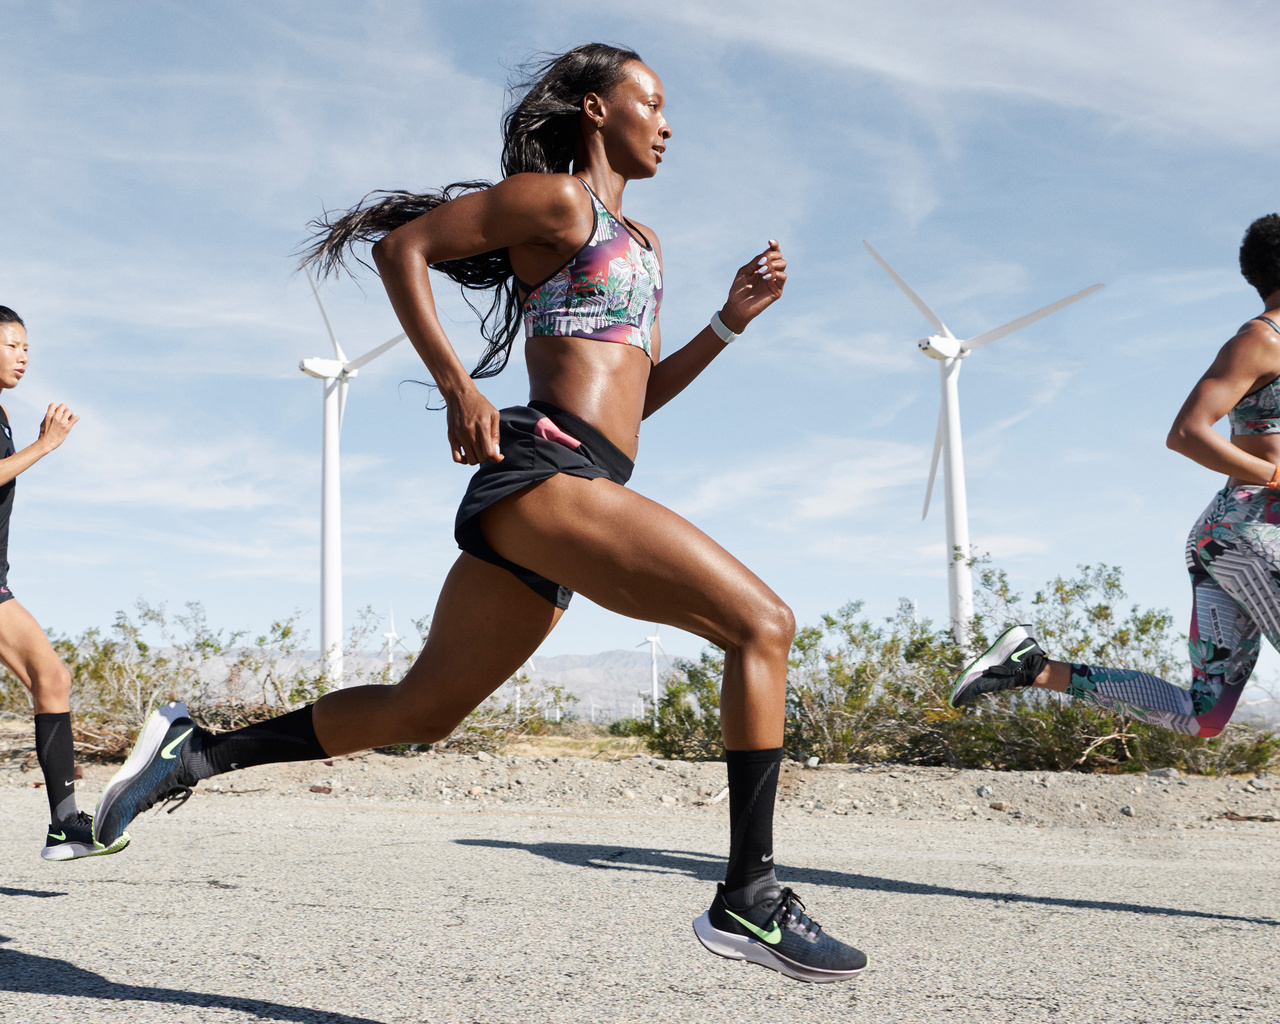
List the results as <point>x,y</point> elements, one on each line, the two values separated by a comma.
<point>79,820</point>
<point>1008,676</point>
<point>1005,672</point>
<point>789,913</point>
<point>177,796</point>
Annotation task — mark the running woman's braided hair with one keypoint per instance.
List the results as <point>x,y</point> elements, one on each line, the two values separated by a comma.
<point>1260,254</point>
<point>540,134</point>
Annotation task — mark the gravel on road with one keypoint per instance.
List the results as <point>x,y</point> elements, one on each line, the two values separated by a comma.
<point>448,888</point>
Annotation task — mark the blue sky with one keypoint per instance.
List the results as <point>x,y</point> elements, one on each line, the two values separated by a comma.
<point>160,162</point>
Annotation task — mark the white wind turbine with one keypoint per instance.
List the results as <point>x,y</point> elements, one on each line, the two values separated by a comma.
<point>336,373</point>
<point>654,646</point>
<point>393,640</point>
<point>949,351</point>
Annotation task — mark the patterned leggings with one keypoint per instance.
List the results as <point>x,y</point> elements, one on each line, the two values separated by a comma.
<point>1233,555</point>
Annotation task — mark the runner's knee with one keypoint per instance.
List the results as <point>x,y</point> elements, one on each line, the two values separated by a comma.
<point>51,683</point>
<point>769,627</point>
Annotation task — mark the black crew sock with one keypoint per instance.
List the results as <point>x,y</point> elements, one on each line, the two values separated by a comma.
<point>753,785</point>
<point>57,757</point>
<point>290,737</point>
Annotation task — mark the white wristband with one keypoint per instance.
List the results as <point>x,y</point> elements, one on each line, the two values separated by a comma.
<point>722,332</point>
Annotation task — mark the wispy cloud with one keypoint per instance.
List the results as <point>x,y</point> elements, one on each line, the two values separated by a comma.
<point>1189,69</point>
<point>823,478</point>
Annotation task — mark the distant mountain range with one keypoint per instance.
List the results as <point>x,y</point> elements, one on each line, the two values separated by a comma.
<point>611,681</point>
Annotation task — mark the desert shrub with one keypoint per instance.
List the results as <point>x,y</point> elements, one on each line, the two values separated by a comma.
<point>687,725</point>
<point>149,657</point>
<point>860,690</point>
<point>627,727</point>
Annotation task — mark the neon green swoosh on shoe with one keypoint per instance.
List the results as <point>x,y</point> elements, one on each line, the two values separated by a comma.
<point>772,937</point>
<point>1017,658</point>
<point>60,836</point>
<point>168,752</point>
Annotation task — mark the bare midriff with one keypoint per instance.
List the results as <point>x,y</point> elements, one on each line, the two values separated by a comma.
<point>1262,446</point>
<point>599,382</point>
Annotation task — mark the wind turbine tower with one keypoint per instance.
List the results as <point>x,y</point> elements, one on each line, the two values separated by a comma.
<point>335,374</point>
<point>394,640</point>
<point>655,645</point>
<point>950,351</point>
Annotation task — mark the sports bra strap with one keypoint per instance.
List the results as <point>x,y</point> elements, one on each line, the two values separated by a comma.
<point>1269,322</point>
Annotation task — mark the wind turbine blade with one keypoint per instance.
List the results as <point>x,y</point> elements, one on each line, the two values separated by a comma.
<point>1016,325</point>
<point>342,401</point>
<point>916,301</point>
<point>373,354</point>
<point>337,349</point>
<point>392,608</point>
<point>933,466</point>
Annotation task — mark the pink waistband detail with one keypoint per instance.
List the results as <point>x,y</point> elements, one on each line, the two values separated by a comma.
<point>548,431</point>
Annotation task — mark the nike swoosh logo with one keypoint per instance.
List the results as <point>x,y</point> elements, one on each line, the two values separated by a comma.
<point>68,783</point>
<point>1017,658</point>
<point>168,752</point>
<point>772,937</point>
<point>766,857</point>
<point>59,837</point>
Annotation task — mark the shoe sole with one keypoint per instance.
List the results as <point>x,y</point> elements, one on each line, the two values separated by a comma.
<point>741,947</point>
<point>75,851</point>
<point>140,758</point>
<point>1006,643</point>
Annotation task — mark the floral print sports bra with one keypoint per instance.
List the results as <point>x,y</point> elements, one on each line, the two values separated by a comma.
<point>1259,411</point>
<point>609,291</point>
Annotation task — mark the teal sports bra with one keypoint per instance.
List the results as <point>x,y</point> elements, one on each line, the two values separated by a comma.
<point>1259,411</point>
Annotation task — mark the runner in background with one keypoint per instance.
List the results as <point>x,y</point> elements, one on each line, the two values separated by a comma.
<point>1232,553</point>
<point>24,648</point>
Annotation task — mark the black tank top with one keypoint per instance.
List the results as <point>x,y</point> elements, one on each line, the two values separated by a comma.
<point>6,496</point>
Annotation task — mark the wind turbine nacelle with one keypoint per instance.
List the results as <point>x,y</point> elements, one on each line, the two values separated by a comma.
<point>937,347</point>
<point>325,369</point>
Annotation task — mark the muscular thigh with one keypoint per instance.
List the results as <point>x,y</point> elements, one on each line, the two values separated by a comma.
<point>630,555</point>
<point>486,625</point>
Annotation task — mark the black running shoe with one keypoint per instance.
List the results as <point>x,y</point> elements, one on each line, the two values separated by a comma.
<point>1012,662</point>
<point>156,770</point>
<point>73,838</point>
<point>776,933</point>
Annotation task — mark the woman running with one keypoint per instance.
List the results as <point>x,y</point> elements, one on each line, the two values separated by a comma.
<point>1233,552</point>
<point>24,648</point>
<point>547,513</point>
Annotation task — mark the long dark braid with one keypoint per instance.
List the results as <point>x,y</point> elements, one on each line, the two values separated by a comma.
<point>539,134</point>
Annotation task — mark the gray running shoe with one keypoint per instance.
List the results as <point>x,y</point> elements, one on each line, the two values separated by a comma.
<point>775,932</point>
<point>1011,663</point>
<point>156,770</point>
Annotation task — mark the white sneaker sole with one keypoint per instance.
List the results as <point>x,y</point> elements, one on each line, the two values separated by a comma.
<point>144,751</point>
<point>74,851</point>
<point>996,654</point>
<point>740,947</point>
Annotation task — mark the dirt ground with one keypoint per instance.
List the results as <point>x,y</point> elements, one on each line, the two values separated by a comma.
<point>616,776</point>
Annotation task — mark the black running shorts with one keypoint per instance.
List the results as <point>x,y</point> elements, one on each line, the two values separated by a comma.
<point>537,442</point>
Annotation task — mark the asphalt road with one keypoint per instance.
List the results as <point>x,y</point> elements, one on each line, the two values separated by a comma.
<point>266,908</point>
